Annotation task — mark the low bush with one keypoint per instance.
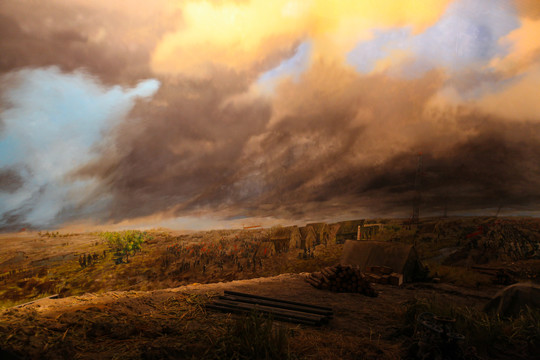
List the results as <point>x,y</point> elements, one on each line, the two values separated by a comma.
<point>125,243</point>
<point>253,336</point>
<point>489,334</point>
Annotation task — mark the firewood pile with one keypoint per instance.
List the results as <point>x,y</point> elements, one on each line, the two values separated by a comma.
<point>340,278</point>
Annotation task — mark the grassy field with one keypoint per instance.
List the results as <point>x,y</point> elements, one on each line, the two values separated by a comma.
<point>165,260</point>
<point>35,265</point>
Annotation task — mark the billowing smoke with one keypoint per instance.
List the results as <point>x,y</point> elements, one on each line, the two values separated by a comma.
<point>348,144</point>
<point>51,122</point>
<point>115,116</point>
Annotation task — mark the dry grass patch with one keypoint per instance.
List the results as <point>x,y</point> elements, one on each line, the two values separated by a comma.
<point>459,276</point>
<point>490,335</point>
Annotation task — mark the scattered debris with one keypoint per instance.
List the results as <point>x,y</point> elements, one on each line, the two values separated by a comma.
<point>283,310</point>
<point>435,336</point>
<point>341,278</point>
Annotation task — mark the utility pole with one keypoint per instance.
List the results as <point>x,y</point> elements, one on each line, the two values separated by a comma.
<point>498,210</point>
<point>445,212</point>
<point>417,195</point>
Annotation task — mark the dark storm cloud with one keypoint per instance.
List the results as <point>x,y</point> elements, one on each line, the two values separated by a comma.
<point>10,180</point>
<point>190,152</point>
<point>344,142</point>
<point>186,144</point>
<point>75,36</point>
<point>16,219</point>
<point>528,8</point>
<point>495,167</point>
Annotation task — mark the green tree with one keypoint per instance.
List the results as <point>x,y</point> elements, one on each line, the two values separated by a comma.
<point>125,243</point>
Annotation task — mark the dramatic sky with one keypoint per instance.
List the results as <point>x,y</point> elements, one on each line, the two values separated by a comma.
<point>201,114</point>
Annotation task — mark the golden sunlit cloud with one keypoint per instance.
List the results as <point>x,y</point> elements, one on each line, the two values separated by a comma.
<point>237,35</point>
<point>230,34</point>
<point>518,101</point>
<point>525,48</point>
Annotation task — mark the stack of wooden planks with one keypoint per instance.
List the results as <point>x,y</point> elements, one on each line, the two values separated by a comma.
<point>341,278</point>
<point>283,310</point>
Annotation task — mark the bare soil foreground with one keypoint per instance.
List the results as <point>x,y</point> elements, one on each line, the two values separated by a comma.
<point>172,323</point>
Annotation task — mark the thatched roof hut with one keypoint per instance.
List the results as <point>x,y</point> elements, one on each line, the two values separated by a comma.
<point>285,237</point>
<point>332,233</point>
<point>295,238</point>
<point>308,237</point>
<point>267,248</point>
<point>321,232</point>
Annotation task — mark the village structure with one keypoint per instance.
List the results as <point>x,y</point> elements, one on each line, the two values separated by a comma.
<point>314,234</point>
<point>381,261</point>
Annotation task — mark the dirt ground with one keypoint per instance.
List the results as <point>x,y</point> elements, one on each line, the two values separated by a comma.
<point>153,318</point>
<point>132,324</point>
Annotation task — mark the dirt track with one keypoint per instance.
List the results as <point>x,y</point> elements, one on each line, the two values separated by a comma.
<point>358,318</point>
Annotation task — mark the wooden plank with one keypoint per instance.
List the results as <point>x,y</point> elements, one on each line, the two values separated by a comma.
<point>276,317</point>
<point>278,305</point>
<point>236,293</point>
<point>396,279</point>
<point>273,310</point>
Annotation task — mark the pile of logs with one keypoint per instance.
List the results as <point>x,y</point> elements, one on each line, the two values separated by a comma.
<point>282,310</point>
<point>341,278</point>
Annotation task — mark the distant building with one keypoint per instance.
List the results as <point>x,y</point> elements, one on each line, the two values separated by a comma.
<point>313,234</point>
<point>332,233</point>
<point>308,237</point>
<point>322,233</point>
<point>348,230</point>
<point>295,238</point>
<point>368,231</point>
<point>285,238</point>
<point>267,248</point>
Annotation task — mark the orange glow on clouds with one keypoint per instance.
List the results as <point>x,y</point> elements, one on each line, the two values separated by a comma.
<point>525,48</point>
<point>237,35</point>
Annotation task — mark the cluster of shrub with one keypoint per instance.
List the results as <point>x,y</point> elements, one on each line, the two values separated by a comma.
<point>125,243</point>
<point>53,234</point>
<point>90,259</point>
